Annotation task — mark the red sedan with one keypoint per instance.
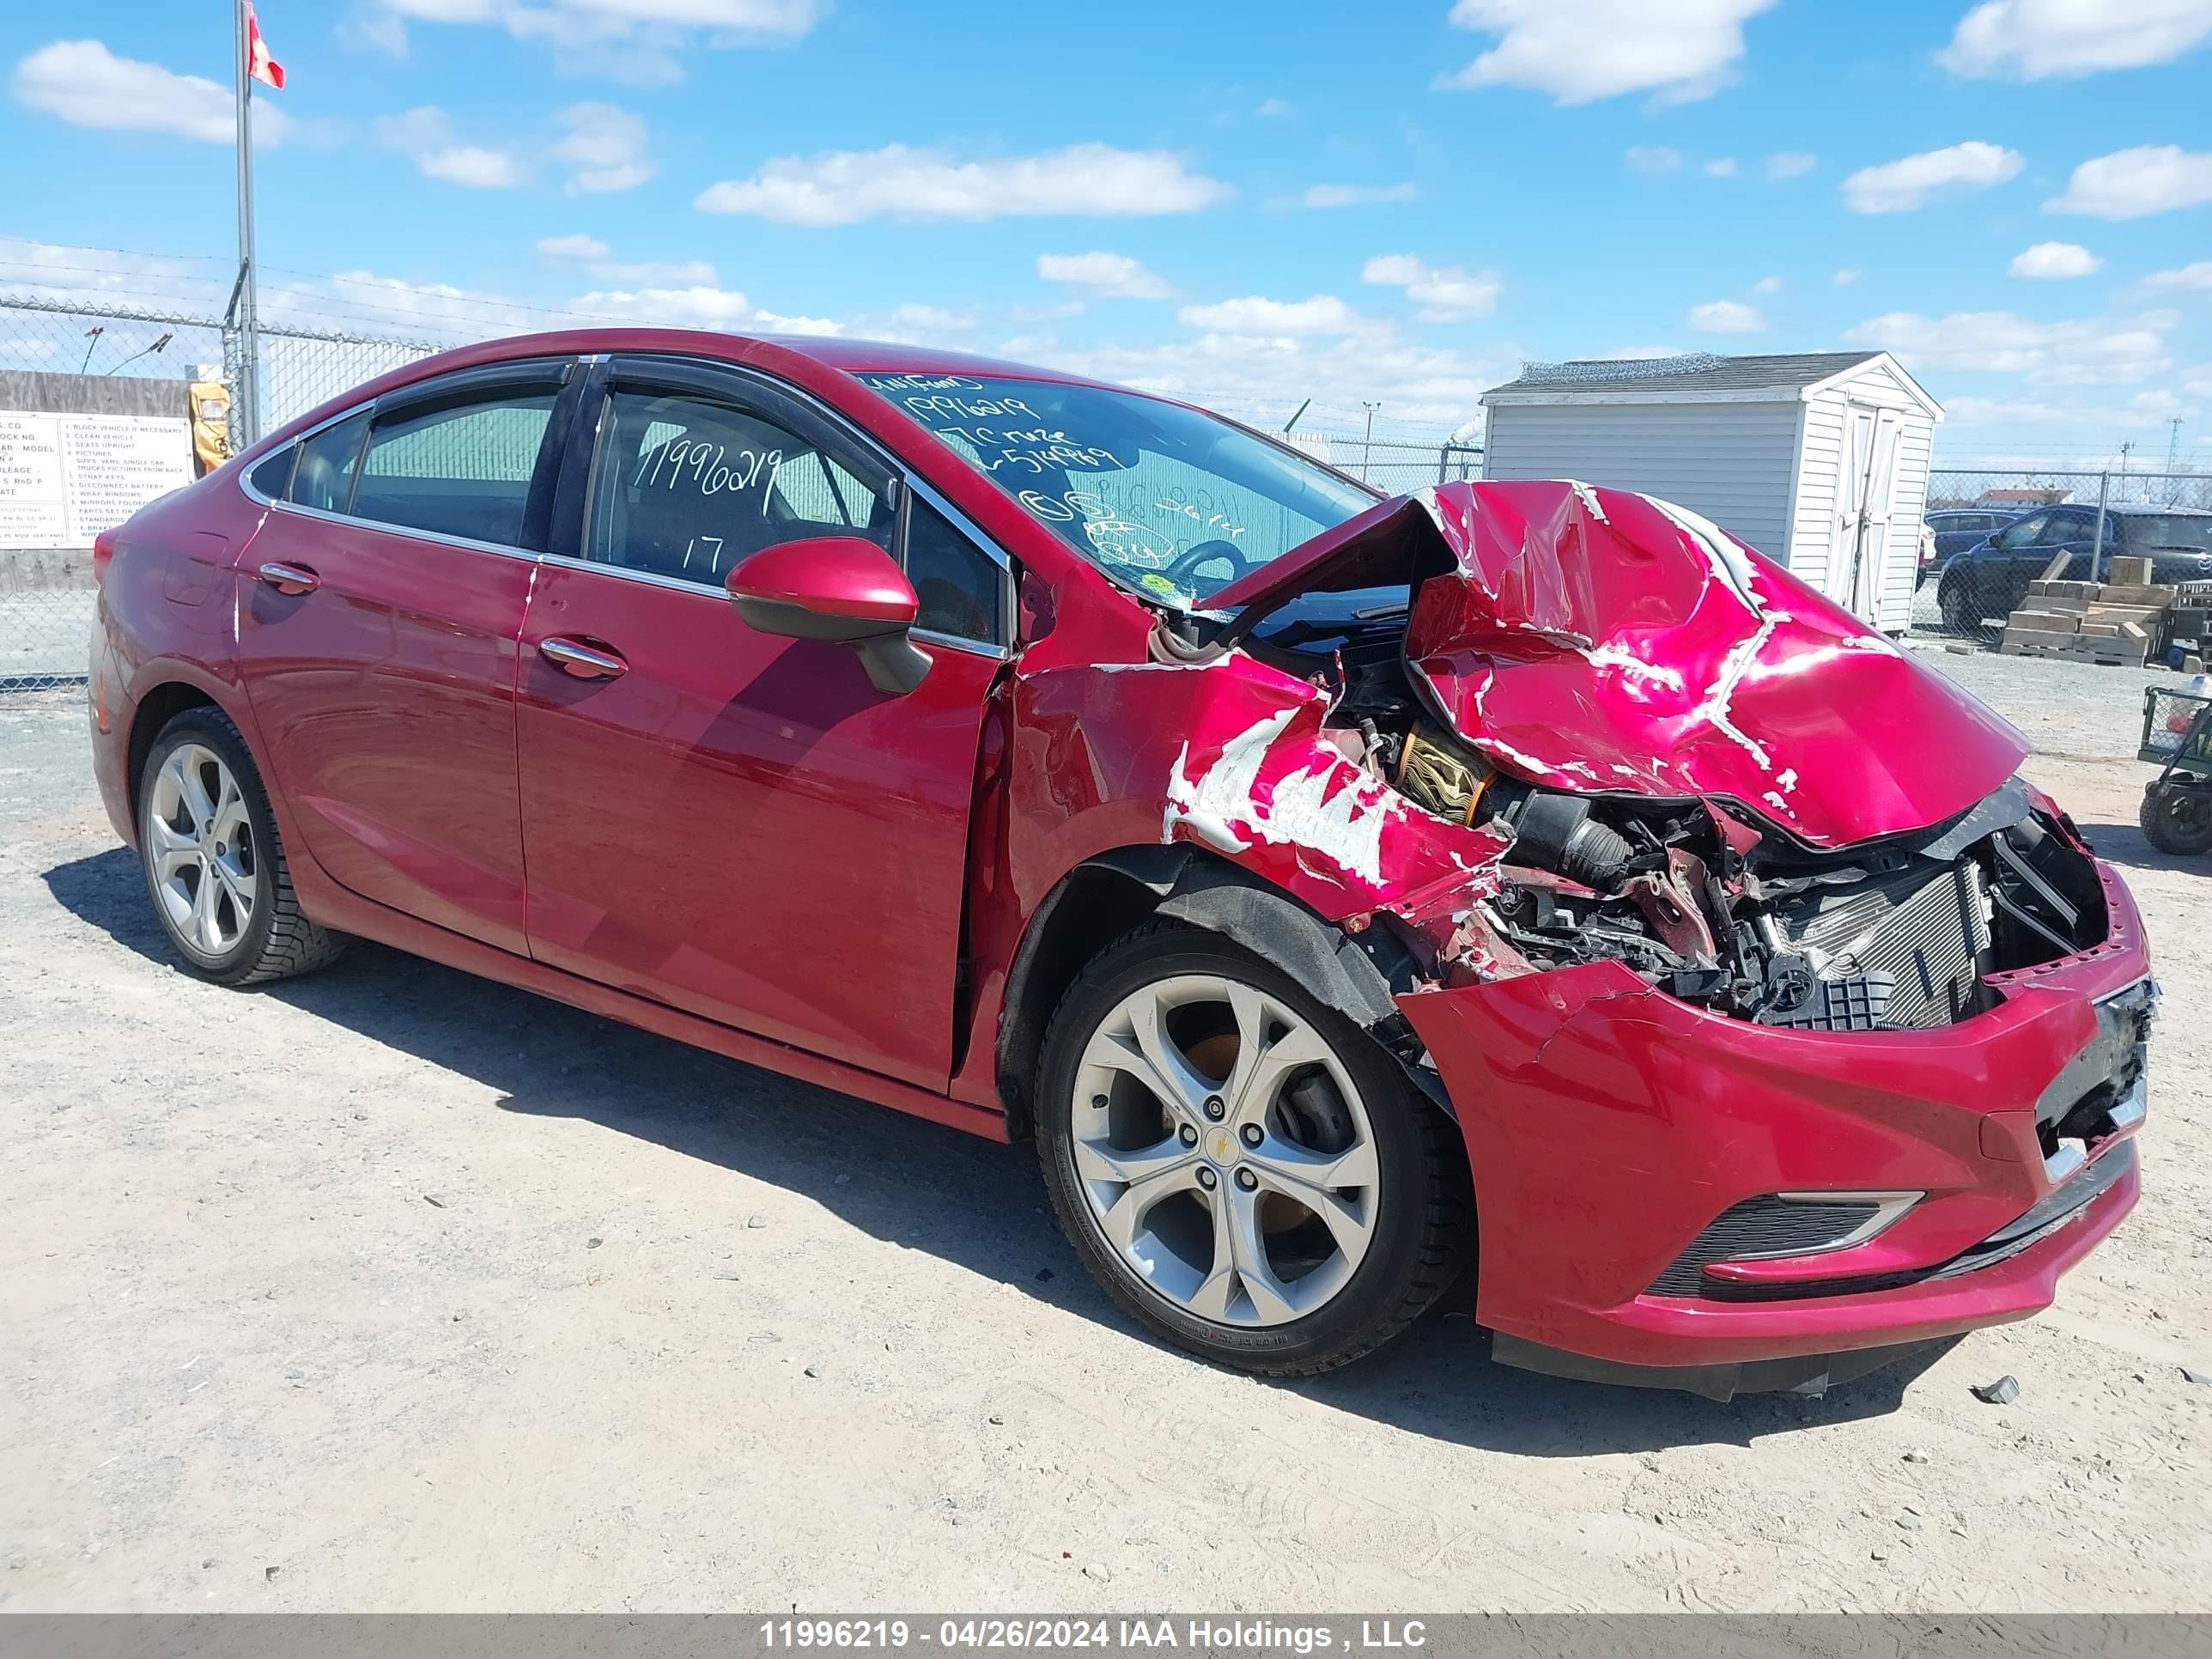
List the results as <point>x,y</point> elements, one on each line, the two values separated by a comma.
<point>1522,879</point>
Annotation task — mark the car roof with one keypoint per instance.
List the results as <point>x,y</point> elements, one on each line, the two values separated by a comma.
<point>2144,509</point>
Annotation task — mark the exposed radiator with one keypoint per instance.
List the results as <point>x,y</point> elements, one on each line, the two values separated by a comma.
<point>1927,930</point>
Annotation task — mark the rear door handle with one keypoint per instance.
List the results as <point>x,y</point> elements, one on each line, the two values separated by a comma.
<point>586,662</point>
<point>289,578</point>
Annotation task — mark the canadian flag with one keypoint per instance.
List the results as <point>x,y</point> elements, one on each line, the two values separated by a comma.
<point>259,64</point>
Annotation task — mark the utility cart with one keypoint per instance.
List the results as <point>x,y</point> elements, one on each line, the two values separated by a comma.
<point>2177,735</point>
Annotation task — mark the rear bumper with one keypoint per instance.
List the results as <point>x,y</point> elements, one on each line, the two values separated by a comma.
<point>1608,1125</point>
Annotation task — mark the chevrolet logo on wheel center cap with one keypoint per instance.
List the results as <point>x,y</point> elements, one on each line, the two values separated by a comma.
<point>1221,1147</point>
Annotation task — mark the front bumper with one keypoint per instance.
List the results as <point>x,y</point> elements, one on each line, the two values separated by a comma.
<point>1608,1125</point>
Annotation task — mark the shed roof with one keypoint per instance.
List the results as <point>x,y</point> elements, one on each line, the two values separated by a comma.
<point>1696,378</point>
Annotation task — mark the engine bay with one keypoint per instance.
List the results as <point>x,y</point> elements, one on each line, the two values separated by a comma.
<point>1707,898</point>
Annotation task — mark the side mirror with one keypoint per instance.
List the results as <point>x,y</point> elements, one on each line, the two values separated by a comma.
<point>836,587</point>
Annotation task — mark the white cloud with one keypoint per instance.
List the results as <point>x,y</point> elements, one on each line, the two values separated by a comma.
<point>1725,317</point>
<point>1792,164</point>
<point>1767,285</point>
<point>1847,276</point>
<point>1342,196</point>
<point>426,135</point>
<point>2092,352</point>
<point>1901,186</point>
<point>642,41</point>
<point>2145,408</point>
<point>1651,160</point>
<point>472,166</point>
<point>1274,109</point>
<point>1264,378</point>
<point>1723,168</point>
<point>2196,275</point>
<point>1445,294</point>
<point>1579,50</point>
<point>696,305</point>
<point>577,247</point>
<point>1324,314</point>
<point>2034,40</point>
<point>2052,261</point>
<point>841,187</point>
<point>85,84</point>
<point>605,145</point>
<point>2129,184</point>
<point>682,273</point>
<point>1107,275</point>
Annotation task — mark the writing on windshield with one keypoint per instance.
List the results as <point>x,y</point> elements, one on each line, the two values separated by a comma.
<point>1173,502</point>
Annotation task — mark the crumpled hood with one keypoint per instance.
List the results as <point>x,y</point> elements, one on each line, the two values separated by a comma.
<point>1601,640</point>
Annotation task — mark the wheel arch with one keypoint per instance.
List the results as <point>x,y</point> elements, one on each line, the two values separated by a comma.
<point>155,708</point>
<point>1357,974</point>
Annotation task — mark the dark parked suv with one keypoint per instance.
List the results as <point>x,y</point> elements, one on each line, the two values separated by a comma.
<point>1990,577</point>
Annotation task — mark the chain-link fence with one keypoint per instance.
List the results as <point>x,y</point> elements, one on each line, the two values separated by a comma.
<point>101,409</point>
<point>1992,531</point>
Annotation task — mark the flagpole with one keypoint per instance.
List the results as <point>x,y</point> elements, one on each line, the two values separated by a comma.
<point>246,411</point>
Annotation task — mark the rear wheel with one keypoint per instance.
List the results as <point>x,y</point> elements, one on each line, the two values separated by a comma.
<point>1243,1169</point>
<point>213,867</point>
<point>2176,818</point>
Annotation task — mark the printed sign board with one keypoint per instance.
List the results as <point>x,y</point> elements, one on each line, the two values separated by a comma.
<point>65,478</point>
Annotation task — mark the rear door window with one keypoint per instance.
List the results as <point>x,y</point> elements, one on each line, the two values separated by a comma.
<point>460,468</point>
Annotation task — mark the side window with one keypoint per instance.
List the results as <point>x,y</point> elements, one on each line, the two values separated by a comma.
<point>458,469</point>
<point>324,478</point>
<point>687,485</point>
<point>2066,527</point>
<point>2025,532</point>
<point>272,474</point>
<point>959,586</point>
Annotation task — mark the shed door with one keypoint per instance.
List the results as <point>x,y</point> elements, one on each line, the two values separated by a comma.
<point>1864,492</point>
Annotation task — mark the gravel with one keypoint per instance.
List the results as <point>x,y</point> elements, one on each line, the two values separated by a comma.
<point>239,1227</point>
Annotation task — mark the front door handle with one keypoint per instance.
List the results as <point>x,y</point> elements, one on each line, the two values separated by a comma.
<point>585,662</point>
<point>289,578</point>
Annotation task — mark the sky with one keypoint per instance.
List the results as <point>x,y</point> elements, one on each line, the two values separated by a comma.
<point>1396,203</point>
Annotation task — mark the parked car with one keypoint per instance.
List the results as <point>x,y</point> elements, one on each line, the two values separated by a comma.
<point>1990,579</point>
<point>1950,531</point>
<point>1343,892</point>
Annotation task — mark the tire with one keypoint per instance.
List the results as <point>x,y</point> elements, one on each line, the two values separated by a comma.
<point>1960,614</point>
<point>1238,1267</point>
<point>2177,819</point>
<point>221,845</point>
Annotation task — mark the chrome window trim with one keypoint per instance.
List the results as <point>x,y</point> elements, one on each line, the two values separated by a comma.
<point>387,528</point>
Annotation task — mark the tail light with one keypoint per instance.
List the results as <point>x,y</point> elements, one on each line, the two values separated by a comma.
<point>103,551</point>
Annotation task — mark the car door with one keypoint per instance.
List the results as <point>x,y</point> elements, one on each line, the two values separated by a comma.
<point>2005,565</point>
<point>379,606</point>
<point>737,825</point>
<point>2072,531</point>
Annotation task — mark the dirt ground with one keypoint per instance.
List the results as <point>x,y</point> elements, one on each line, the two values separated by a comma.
<point>391,1290</point>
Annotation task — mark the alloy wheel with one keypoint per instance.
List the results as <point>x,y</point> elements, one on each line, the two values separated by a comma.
<point>1224,1151</point>
<point>200,845</point>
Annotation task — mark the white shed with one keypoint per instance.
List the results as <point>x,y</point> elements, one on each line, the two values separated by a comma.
<point>1818,459</point>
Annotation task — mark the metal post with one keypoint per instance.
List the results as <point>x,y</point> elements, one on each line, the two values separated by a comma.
<point>1367,446</point>
<point>2097,545</point>
<point>245,395</point>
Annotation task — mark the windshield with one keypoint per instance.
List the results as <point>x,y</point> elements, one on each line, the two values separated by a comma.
<point>2181,530</point>
<point>1175,503</point>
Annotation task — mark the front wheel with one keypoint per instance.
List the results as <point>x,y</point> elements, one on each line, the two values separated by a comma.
<point>1241,1169</point>
<point>2176,818</point>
